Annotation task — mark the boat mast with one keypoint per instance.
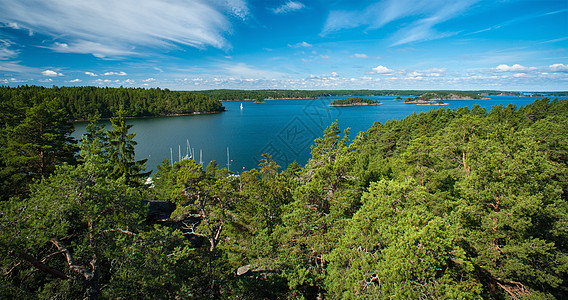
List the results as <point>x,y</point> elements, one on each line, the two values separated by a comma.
<point>228,164</point>
<point>201,157</point>
<point>171,157</point>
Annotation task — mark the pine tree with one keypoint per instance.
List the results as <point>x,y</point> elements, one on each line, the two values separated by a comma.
<point>121,151</point>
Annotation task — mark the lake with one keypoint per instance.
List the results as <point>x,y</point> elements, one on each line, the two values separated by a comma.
<point>283,128</point>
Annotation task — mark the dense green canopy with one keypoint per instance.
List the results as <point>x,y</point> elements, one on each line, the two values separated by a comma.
<point>462,203</point>
<point>82,102</point>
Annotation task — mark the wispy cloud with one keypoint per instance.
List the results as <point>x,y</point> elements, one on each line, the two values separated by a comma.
<point>378,14</point>
<point>5,52</point>
<point>91,74</point>
<point>287,7</point>
<point>360,55</point>
<point>114,28</point>
<point>299,45</point>
<point>243,70</point>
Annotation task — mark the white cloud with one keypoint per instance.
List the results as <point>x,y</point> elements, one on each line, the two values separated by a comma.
<point>51,73</point>
<point>76,80</point>
<point>245,71</point>
<point>6,53</point>
<point>334,74</point>
<point>114,28</point>
<point>378,14</point>
<point>302,44</point>
<point>433,72</point>
<point>91,74</point>
<point>383,70</point>
<point>121,73</point>
<point>325,56</point>
<point>513,68</point>
<point>360,55</point>
<point>87,47</point>
<point>289,6</point>
<point>558,68</point>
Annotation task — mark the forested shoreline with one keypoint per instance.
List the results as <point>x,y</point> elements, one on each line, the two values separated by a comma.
<point>451,203</point>
<point>260,95</point>
<point>81,102</point>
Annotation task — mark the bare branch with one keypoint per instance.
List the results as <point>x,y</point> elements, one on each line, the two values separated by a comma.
<point>123,231</point>
<point>42,267</point>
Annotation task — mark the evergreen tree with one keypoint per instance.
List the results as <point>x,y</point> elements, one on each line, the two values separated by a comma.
<point>121,151</point>
<point>35,146</point>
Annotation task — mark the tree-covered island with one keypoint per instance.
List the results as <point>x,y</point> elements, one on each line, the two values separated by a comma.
<point>438,96</point>
<point>354,102</point>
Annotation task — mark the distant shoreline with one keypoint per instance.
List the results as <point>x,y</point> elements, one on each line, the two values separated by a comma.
<point>268,99</point>
<point>354,104</point>
<point>159,116</point>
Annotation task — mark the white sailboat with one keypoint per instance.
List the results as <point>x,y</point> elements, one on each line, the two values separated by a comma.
<point>189,154</point>
<point>241,106</point>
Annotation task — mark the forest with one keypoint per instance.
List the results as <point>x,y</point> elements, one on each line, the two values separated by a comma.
<point>452,203</point>
<point>355,101</point>
<point>81,102</point>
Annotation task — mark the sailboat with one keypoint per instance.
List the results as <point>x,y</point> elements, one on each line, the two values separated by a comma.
<point>241,106</point>
<point>188,154</point>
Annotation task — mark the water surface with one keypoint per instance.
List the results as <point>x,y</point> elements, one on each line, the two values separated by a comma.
<point>284,128</point>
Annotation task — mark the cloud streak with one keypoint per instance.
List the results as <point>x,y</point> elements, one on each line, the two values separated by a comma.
<point>288,7</point>
<point>114,28</point>
<point>375,16</point>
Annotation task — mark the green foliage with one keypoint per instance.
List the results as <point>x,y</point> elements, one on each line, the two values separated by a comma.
<point>33,145</point>
<point>81,102</point>
<point>120,148</point>
<point>448,204</point>
<point>353,102</point>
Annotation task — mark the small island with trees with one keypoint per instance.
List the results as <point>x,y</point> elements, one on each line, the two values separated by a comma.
<point>354,102</point>
<point>435,98</point>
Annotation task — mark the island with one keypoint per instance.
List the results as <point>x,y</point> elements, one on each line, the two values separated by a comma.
<point>354,102</point>
<point>435,98</point>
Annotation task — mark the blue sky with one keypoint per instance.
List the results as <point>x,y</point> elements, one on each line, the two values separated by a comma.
<point>290,44</point>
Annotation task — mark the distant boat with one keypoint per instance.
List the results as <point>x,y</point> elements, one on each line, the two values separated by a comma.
<point>241,106</point>
<point>188,154</point>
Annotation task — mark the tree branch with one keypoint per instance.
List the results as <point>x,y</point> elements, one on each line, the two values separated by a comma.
<point>71,261</point>
<point>42,267</point>
<point>123,231</point>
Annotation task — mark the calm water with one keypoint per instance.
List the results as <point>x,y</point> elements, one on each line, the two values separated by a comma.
<point>283,128</point>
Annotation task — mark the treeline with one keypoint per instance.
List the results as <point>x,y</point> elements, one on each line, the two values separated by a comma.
<point>81,102</point>
<point>233,95</point>
<point>448,96</point>
<point>260,95</point>
<point>459,204</point>
<point>353,101</point>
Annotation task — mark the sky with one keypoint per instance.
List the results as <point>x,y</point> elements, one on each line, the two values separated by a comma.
<point>510,45</point>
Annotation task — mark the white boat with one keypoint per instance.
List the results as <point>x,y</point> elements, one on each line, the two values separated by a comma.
<point>241,106</point>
